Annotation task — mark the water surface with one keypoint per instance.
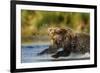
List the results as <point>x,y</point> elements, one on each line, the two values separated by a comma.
<point>29,54</point>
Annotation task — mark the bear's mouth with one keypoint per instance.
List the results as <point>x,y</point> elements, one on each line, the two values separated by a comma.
<point>59,41</point>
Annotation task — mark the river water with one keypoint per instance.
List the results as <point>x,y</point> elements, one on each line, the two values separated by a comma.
<point>29,54</point>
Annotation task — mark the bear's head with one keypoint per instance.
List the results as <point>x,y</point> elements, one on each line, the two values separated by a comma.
<point>59,35</point>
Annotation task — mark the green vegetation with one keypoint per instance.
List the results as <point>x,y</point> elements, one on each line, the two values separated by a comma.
<point>36,23</point>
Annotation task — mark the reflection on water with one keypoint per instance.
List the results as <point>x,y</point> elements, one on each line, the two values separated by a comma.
<point>29,54</point>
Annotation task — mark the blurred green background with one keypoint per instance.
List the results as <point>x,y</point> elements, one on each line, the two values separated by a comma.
<point>34,24</point>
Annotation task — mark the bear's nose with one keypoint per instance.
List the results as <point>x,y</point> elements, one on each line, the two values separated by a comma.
<point>60,39</point>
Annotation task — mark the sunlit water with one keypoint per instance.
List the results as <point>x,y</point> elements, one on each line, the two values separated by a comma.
<point>29,54</point>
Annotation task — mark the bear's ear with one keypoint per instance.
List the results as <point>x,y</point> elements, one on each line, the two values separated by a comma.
<point>49,29</point>
<point>69,33</point>
<point>63,31</point>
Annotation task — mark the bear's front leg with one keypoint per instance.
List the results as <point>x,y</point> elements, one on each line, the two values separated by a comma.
<point>49,50</point>
<point>61,54</point>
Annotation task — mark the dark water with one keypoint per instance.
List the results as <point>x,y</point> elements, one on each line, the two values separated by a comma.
<point>29,55</point>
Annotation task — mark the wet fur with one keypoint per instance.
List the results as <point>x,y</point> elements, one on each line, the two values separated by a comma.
<point>70,42</point>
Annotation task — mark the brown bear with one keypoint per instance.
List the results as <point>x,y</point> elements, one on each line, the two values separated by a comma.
<point>69,40</point>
